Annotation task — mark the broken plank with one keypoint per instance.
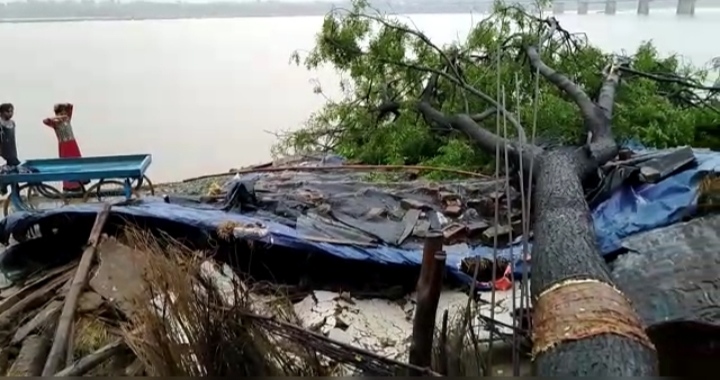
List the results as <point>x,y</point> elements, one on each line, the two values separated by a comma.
<point>48,313</point>
<point>658,168</point>
<point>62,334</point>
<point>70,351</point>
<point>36,299</point>
<point>92,360</point>
<point>14,298</point>
<point>477,228</point>
<point>31,357</point>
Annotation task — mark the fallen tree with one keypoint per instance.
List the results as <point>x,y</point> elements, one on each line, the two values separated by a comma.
<point>582,325</point>
<point>665,101</point>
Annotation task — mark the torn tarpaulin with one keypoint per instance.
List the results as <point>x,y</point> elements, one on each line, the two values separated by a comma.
<point>643,207</point>
<point>651,167</point>
<point>287,198</point>
<point>154,212</point>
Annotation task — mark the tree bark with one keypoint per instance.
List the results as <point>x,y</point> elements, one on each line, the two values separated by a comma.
<point>565,248</point>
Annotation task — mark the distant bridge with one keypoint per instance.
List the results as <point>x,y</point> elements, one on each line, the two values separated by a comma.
<point>682,7</point>
<point>73,11</point>
<point>610,7</point>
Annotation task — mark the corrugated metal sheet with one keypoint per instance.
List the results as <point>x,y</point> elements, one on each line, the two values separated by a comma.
<point>672,274</point>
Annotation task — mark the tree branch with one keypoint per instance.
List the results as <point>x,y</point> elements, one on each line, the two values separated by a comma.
<point>596,117</point>
<point>472,90</point>
<point>480,117</point>
<point>578,96</point>
<point>451,64</point>
<point>606,98</point>
<point>467,124</point>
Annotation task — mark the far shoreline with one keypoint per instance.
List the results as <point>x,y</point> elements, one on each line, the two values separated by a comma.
<point>270,14</point>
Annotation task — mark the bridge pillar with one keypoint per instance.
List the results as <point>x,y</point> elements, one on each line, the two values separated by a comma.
<point>558,7</point>
<point>610,7</point>
<point>643,7</point>
<point>582,7</point>
<point>686,7</point>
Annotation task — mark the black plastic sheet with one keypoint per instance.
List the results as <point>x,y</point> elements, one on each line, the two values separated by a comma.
<point>671,273</point>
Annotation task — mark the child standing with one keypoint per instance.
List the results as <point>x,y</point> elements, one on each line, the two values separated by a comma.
<point>8,147</point>
<point>67,145</point>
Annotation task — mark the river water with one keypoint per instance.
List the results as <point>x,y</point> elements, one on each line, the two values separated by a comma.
<point>203,95</point>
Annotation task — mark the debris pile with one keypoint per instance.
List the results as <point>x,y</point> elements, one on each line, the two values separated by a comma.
<point>325,201</point>
<point>244,283</point>
<point>140,305</point>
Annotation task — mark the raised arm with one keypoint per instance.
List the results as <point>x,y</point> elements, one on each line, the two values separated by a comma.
<point>69,110</point>
<point>51,122</point>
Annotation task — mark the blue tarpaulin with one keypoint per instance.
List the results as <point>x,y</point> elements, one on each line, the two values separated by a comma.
<point>632,210</point>
<point>628,211</point>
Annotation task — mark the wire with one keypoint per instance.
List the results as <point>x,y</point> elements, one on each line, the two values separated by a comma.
<point>339,167</point>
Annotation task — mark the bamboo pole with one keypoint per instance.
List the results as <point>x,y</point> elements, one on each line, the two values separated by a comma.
<point>62,334</point>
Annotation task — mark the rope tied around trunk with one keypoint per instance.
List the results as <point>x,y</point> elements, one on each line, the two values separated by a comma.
<point>578,309</point>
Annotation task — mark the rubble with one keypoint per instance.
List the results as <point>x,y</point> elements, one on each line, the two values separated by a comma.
<point>113,329</point>
<point>151,306</point>
<point>385,326</point>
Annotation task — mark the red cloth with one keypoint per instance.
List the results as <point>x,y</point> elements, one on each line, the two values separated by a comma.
<point>504,283</point>
<point>69,149</point>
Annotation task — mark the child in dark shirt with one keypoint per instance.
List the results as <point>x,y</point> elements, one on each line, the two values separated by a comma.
<point>8,147</point>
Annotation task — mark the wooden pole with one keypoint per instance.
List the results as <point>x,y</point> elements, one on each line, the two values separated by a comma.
<point>70,349</point>
<point>62,334</point>
<point>94,359</point>
<point>433,245</point>
<point>428,294</point>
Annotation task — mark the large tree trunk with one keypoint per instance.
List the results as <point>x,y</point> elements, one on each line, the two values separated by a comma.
<point>582,325</point>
